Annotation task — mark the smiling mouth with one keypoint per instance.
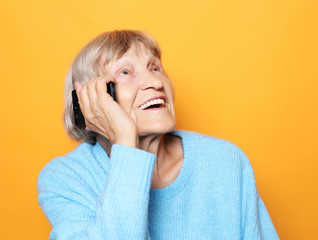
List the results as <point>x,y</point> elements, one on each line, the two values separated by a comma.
<point>156,103</point>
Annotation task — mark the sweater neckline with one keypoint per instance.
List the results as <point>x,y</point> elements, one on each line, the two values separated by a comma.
<point>169,192</point>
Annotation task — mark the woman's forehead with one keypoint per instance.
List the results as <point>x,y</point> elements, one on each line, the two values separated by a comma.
<point>117,57</point>
<point>138,49</point>
<point>134,52</point>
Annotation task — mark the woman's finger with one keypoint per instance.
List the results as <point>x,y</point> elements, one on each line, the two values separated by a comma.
<point>101,89</point>
<point>84,102</point>
<point>77,86</point>
<point>92,95</point>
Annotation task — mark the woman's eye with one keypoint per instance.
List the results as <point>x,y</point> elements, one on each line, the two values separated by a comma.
<point>125,72</point>
<point>155,69</point>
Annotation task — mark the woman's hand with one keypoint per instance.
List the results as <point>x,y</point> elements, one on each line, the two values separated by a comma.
<point>103,115</point>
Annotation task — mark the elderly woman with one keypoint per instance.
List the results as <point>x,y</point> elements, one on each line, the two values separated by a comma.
<point>134,176</point>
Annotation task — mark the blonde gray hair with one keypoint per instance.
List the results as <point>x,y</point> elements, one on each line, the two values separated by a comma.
<point>92,61</point>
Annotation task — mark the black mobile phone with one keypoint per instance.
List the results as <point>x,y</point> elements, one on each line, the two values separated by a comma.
<point>78,115</point>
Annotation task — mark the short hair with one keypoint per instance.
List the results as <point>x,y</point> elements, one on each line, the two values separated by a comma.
<point>92,61</point>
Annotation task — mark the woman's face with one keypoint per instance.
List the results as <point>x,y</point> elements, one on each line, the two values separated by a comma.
<point>143,91</point>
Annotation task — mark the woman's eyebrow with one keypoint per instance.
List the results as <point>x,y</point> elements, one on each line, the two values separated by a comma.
<point>120,62</point>
<point>126,60</point>
<point>154,60</point>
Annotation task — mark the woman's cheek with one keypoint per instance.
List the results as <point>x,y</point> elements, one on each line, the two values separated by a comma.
<point>125,78</point>
<point>126,94</point>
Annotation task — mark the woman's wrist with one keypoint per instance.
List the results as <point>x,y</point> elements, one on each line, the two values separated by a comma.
<point>130,139</point>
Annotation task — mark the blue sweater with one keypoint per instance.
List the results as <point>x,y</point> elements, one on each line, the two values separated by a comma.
<point>87,195</point>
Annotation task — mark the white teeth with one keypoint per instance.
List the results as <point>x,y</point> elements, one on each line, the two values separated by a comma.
<point>152,102</point>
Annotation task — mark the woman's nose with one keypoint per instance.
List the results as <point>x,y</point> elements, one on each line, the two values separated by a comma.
<point>150,80</point>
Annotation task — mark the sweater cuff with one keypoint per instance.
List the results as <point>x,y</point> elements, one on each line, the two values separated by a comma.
<point>131,168</point>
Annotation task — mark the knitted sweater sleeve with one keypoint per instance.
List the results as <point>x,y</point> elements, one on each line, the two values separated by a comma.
<point>120,210</point>
<point>256,222</point>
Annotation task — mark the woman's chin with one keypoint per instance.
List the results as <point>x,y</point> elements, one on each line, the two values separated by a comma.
<point>156,129</point>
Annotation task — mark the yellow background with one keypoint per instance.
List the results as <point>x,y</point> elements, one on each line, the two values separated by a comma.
<point>245,71</point>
